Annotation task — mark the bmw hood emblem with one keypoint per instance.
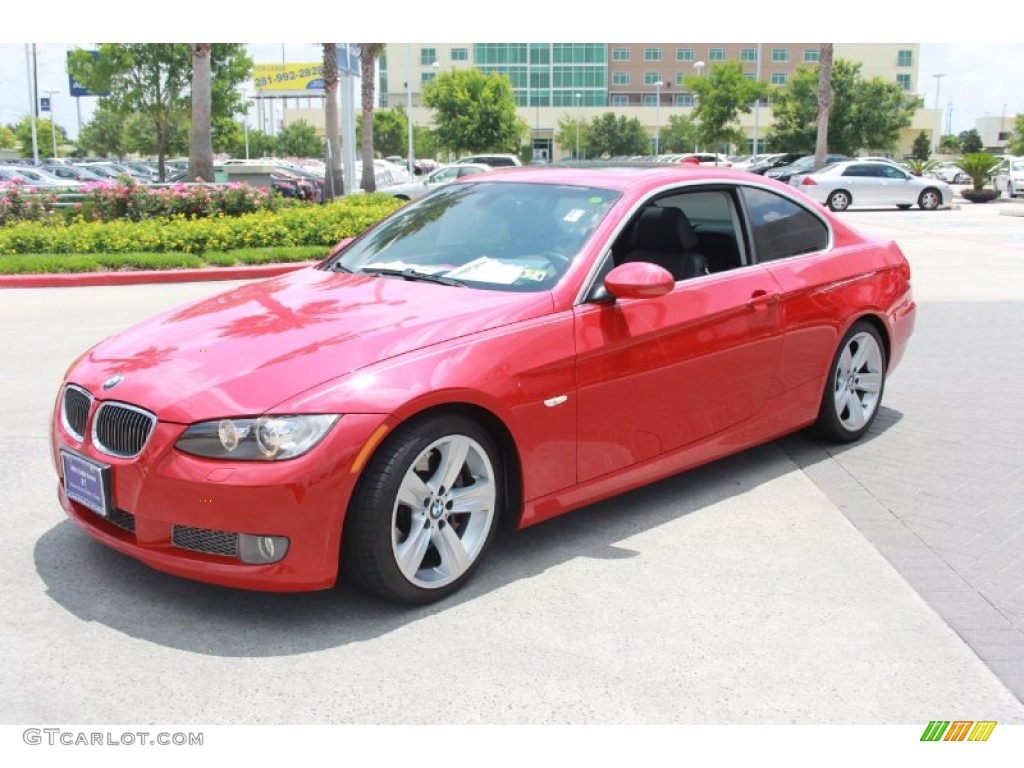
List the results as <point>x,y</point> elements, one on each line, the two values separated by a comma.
<point>113,381</point>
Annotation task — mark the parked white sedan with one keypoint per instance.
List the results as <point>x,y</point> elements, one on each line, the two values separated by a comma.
<point>439,178</point>
<point>854,182</point>
<point>1008,176</point>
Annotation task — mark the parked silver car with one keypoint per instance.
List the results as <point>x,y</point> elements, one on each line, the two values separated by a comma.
<point>841,185</point>
<point>432,181</point>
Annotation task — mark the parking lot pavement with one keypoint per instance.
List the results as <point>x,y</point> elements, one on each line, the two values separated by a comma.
<point>938,486</point>
<point>736,593</point>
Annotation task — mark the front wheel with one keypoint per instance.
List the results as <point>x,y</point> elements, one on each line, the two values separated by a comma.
<point>929,200</point>
<point>424,511</point>
<point>855,384</point>
<point>838,200</point>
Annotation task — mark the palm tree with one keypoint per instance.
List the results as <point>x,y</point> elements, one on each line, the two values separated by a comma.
<point>335,182</point>
<point>200,156</point>
<point>368,53</point>
<point>824,103</point>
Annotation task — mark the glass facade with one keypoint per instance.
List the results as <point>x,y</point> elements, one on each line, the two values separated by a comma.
<point>549,74</point>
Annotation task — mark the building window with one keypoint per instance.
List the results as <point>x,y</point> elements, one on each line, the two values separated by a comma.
<point>650,99</point>
<point>620,54</point>
<point>778,78</point>
<point>652,54</point>
<point>428,56</point>
<point>904,58</point>
<point>780,54</point>
<point>650,78</point>
<point>748,54</point>
<point>426,77</point>
<point>460,54</point>
<point>683,100</point>
<point>684,54</point>
<point>904,81</point>
<point>680,78</point>
<point>812,55</point>
<point>620,100</point>
<point>620,78</point>
<point>716,54</point>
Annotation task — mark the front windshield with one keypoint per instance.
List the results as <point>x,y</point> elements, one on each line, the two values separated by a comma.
<point>497,236</point>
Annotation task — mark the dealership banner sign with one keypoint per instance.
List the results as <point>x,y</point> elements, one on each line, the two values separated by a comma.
<point>288,77</point>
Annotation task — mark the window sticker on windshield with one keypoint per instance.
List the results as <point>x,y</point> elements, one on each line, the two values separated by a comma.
<point>574,214</point>
<point>536,274</point>
<point>596,200</point>
<point>488,270</point>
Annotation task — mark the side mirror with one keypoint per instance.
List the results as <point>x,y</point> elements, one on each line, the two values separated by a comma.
<point>639,280</point>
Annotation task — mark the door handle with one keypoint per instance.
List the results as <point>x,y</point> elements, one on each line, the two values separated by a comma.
<point>759,300</point>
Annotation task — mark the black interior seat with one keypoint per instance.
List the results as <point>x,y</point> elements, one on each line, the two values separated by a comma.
<point>664,236</point>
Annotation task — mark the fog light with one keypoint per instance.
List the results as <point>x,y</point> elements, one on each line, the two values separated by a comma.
<point>261,550</point>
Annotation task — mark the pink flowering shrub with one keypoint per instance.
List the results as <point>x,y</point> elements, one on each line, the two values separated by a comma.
<point>19,204</point>
<point>111,202</point>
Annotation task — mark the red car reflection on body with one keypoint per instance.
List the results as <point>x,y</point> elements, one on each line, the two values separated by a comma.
<point>509,347</point>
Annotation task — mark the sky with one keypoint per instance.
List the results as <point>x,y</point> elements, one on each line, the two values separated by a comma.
<point>977,77</point>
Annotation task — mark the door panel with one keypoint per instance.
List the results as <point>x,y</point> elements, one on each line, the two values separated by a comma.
<point>656,374</point>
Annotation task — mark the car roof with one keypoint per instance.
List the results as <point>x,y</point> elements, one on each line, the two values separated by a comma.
<point>620,178</point>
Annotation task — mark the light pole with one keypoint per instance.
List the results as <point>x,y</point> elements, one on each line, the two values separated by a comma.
<point>53,126</point>
<point>578,96</point>
<point>938,112</point>
<point>657,117</point>
<point>698,66</point>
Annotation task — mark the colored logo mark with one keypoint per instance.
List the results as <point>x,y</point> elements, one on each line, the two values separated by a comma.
<point>958,730</point>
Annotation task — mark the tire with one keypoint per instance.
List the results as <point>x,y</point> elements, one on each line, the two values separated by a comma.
<point>929,199</point>
<point>904,206</point>
<point>424,511</point>
<point>853,390</point>
<point>839,200</point>
<point>1010,191</point>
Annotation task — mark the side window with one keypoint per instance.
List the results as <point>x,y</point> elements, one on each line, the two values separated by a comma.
<point>782,228</point>
<point>470,171</point>
<point>893,173</point>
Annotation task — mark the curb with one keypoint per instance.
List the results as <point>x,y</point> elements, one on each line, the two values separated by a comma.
<point>77,280</point>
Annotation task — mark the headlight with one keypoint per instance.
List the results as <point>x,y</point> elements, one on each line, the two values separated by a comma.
<point>266,438</point>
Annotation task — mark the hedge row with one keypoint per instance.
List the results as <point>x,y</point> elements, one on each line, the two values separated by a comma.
<point>314,225</point>
<point>50,263</point>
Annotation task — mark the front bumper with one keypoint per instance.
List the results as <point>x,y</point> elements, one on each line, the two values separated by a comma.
<point>164,498</point>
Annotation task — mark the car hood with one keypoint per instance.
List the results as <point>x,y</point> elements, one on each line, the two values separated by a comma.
<point>243,351</point>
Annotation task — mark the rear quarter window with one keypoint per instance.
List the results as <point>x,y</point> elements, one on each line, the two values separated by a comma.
<point>782,228</point>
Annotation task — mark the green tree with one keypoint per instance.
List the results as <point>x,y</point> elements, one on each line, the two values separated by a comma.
<point>571,133</point>
<point>609,135</point>
<point>679,134</point>
<point>949,145</point>
<point>104,134</point>
<point>368,53</point>
<point>424,142</point>
<point>153,80</point>
<point>390,132</point>
<point>23,134</point>
<point>474,112</point>
<point>7,138</point>
<point>970,141</point>
<point>140,138</point>
<point>721,96</point>
<point>299,139</point>
<point>1017,141</point>
<point>922,147</point>
<point>865,113</point>
<point>260,144</point>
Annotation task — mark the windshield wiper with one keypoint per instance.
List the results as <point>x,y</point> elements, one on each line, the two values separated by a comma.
<point>411,274</point>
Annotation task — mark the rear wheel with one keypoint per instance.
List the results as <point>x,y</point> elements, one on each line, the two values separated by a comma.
<point>839,200</point>
<point>853,391</point>
<point>930,199</point>
<point>425,510</point>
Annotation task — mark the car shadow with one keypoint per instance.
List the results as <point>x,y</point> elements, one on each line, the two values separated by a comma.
<point>805,450</point>
<point>101,585</point>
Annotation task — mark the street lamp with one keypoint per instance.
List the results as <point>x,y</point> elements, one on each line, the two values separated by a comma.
<point>657,117</point>
<point>698,67</point>
<point>53,126</point>
<point>938,112</point>
<point>578,96</point>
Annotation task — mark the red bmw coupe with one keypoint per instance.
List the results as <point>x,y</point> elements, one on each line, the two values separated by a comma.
<point>505,349</point>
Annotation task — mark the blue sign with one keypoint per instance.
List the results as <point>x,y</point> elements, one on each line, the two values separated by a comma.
<point>348,58</point>
<point>44,104</point>
<point>85,482</point>
<point>75,88</point>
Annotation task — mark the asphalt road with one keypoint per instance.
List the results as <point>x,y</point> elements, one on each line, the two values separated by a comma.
<point>789,584</point>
